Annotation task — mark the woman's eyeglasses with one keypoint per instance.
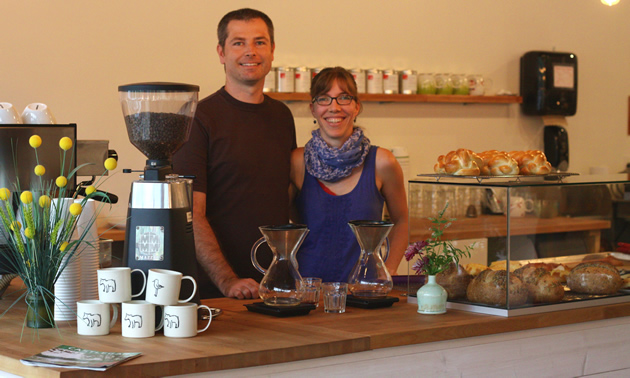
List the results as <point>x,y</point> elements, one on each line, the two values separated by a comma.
<point>343,99</point>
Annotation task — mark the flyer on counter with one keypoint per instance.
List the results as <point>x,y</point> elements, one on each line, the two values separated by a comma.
<point>65,356</point>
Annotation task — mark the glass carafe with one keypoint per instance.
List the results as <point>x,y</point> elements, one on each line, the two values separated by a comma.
<point>281,285</point>
<point>369,277</point>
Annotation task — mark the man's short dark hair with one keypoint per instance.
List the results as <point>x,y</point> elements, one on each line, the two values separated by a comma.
<point>245,14</point>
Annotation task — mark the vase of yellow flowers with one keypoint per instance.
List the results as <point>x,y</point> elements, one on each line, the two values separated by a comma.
<point>435,256</point>
<point>41,237</point>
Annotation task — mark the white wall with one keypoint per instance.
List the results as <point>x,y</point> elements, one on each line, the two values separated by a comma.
<point>73,54</point>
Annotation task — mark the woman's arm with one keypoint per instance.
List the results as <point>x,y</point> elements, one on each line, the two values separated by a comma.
<point>391,183</point>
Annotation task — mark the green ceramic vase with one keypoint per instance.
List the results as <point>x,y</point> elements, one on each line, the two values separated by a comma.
<point>431,298</point>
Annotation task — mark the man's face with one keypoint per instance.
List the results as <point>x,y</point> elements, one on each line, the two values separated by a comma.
<point>248,52</point>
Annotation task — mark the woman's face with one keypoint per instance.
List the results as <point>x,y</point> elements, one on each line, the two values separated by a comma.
<point>335,121</point>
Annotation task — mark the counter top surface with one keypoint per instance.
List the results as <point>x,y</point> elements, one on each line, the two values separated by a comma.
<point>239,338</point>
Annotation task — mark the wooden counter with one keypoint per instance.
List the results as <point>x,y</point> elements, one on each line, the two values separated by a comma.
<point>240,339</point>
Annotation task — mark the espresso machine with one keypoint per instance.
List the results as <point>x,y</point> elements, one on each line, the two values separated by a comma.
<point>159,217</point>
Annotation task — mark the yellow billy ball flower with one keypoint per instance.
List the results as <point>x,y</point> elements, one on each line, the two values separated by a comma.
<point>110,164</point>
<point>65,143</point>
<point>63,246</point>
<point>16,226</point>
<point>90,189</point>
<point>26,197</point>
<point>4,194</point>
<point>35,141</point>
<point>44,201</point>
<point>29,233</point>
<point>61,181</point>
<point>39,170</point>
<point>75,209</point>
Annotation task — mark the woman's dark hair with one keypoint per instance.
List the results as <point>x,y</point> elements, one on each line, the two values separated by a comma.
<point>244,14</point>
<point>324,80</point>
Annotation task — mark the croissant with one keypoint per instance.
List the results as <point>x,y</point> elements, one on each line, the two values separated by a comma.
<point>498,164</point>
<point>461,162</point>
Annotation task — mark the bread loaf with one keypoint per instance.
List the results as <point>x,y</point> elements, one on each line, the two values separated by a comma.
<point>454,280</point>
<point>461,162</point>
<point>598,278</point>
<point>498,164</point>
<point>541,286</point>
<point>532,162</point>
<point>490,287</point>
<point>474,269</point>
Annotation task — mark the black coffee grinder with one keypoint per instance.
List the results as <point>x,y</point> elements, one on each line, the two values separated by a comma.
<point>159,218</point>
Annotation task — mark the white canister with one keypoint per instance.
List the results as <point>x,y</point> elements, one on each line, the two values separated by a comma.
<point>374,81</point>
<point>359,77</point>
<point>270,81</point>
<point>409,82</point>
<point>315,71</point>
<point>391,82</point>
<point>286,79</point>
<point>302,79</point>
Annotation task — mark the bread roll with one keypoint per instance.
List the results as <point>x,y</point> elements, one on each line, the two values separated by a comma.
<point>499,164</point>
<point>454,280</point>
<point>490,288</point>
<point>598,278</point>
<point>502,265</point>
<point>462,162</point>
<point>474,269</point>
<point>532,162</point>
<point>541,286</point>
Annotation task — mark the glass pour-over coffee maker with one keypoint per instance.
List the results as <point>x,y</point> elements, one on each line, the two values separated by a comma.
<point>159,224</point>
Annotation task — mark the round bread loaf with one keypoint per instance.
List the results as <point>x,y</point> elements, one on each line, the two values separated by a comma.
<point>598,278</point>
<point>454,280</point>
<point>531,162</point>
<point>490,287</point>
<point>541,286</point>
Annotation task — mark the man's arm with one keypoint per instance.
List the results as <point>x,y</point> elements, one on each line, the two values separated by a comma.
<point>211,258</point>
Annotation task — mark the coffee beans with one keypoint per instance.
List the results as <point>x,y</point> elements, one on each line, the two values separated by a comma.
<point>158,135</point>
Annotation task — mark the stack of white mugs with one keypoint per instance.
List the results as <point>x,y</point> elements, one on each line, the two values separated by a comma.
<point>178,317</point>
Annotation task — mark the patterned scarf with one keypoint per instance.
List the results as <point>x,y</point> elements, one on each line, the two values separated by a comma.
<point>332,164</point>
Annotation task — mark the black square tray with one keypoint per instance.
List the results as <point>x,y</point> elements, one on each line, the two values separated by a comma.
<point>281,312</point>
<point>370,303</point>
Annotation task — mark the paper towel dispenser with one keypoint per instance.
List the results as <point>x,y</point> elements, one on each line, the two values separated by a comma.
<point>549,83</point>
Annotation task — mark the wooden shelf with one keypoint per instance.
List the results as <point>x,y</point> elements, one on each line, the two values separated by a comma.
<point>460,99</point>
<point>487,226</point>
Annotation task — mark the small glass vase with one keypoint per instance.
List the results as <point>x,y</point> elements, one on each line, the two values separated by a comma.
<point>432,298</point>
<point>40,311</point>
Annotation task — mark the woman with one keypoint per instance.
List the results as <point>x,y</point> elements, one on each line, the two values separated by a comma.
<point>340,177</point>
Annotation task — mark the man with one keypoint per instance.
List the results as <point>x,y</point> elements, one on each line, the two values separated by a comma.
<point>239,151</point>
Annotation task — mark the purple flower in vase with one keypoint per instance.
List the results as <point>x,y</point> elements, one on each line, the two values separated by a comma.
<point>415,249</point>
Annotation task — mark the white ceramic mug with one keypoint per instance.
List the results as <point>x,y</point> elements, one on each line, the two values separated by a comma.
<point>520,206</point>
<point>180,320</point>
<point>477,85</point>
<point>164,286</point>
<point>138,319</point>
<point>8,114</point>
<point>37,114</point>
<point>93,317</point>
<point>114,284</point>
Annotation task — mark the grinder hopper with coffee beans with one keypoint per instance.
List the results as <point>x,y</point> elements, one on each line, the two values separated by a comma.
<point>159,219</point>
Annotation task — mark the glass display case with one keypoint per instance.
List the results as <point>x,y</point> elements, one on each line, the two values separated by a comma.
<point>540,243</point>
